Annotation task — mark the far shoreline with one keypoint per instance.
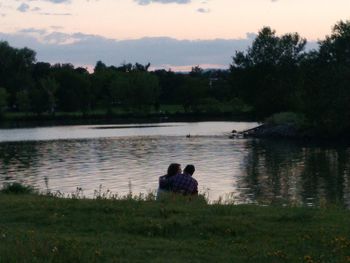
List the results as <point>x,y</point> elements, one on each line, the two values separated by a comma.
<point>63,119</point>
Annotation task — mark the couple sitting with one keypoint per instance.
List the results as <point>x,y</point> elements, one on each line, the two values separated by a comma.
<point>177,182</point>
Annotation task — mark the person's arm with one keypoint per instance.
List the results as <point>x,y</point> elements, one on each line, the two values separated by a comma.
<point>195,188</point>
<point>162,182</point>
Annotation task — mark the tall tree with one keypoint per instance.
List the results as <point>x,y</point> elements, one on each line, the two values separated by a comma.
<point>15,70</point>
<point>336,47</point>
<point>266,76</point>
<point>73,93</point>
<point>326,76</point>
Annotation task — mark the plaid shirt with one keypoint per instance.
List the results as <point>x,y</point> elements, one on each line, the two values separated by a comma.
<point>185,184</point>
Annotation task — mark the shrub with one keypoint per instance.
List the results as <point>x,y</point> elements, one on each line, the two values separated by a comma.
<point>17,188</point>
<point>286,118</point>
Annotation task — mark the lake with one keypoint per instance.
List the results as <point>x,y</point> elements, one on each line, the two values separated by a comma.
<point>123,158</point>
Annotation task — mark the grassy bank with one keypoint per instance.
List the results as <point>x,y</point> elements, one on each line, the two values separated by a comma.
<point>165,112</point>
<point>46,229</point>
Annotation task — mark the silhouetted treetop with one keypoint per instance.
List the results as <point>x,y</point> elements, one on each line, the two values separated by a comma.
<point>336,47</point>
<point>270,49</point>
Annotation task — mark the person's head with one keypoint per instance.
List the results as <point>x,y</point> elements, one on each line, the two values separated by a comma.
<point>189,169</point>
<point>174,169</point>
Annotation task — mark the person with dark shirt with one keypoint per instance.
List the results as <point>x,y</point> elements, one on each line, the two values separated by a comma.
<point>165,181</point>
<point>184,183</point>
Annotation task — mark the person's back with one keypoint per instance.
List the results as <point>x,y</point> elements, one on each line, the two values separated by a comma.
<point>185,183</point>
<point>166,181</point>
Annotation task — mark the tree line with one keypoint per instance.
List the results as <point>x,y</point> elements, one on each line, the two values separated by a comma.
<point>39,87</point>
<point>275,74</point>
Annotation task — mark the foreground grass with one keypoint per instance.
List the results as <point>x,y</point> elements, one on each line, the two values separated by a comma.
<point>37,228</point>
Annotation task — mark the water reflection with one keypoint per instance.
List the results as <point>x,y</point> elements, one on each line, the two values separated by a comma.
<point>292,171</point>
<point>251,170</point>
<point>114,162</point>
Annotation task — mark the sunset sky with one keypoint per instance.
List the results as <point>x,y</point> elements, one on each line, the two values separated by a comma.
<point>167,33</point>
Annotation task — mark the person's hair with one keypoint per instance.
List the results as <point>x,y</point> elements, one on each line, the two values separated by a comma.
<point>173,169</point>
<point>189,169</point>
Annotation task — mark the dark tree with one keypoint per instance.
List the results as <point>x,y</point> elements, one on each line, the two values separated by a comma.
<point>266,76</point>
<point>15,70</point>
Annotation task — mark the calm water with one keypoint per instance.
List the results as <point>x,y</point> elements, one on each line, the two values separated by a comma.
<point>120,157</point>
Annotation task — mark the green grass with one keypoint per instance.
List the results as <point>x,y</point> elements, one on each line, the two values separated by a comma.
<point>37,228</point>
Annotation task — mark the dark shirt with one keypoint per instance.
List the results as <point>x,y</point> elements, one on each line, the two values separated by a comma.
<point>165,183</point>
<point>184,183</point>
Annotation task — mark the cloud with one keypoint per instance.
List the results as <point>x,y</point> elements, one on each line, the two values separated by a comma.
<point>161,52</point>
<point>34,31</point>
<point>147,2</point>
<point>26,8</point>
<point>54,14</point>
<point>23,7</point>
<point>59,1</point>
<point>84,49</point>
<point>51,1</point>
<point>203,10</point>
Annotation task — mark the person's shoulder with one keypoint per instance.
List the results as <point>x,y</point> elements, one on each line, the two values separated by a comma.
<point>189,178</point>
<point>194,180</point>
<point>181,176</point>
<point>178,178</point>
<point>175,177</point>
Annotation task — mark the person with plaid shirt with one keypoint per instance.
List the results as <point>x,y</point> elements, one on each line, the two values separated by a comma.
<point>184,183</point>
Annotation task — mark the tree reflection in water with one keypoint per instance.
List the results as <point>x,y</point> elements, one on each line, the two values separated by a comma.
<point>297,172</point>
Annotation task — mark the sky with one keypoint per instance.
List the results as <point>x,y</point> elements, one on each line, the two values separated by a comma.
<point>173,34</point>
